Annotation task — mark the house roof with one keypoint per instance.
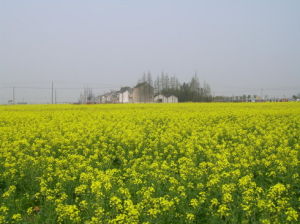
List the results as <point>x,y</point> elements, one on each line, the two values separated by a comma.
<point>143,84</point>
<point>111,93</point>
<point>124,89</point>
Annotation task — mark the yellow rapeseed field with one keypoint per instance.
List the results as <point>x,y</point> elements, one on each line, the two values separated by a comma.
<point>150,163</point>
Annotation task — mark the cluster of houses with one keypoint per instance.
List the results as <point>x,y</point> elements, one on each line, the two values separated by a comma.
<point>141,93</point>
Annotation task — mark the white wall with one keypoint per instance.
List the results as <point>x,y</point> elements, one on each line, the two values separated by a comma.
<point>162,98</point>
<point>124,97</point>
<point>172,99</point>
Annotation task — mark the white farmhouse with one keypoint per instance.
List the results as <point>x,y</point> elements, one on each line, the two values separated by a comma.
<point>110,97</point>
<point>172,99</point>
<point>165,99</point>
<point>125,95</point>
<point>160,99</point>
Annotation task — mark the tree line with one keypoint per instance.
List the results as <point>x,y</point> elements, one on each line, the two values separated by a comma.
<point>192,91</point>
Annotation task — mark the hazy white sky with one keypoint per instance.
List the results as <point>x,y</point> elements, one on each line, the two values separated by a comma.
<point>235,46</point>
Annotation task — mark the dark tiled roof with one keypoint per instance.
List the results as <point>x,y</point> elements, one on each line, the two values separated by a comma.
<point>142,84</point>
<point>124,89</point>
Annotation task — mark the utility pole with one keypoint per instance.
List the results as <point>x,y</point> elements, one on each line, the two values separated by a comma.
<point>14,101</point>
<point>52,92</point>
<point>55,93</point>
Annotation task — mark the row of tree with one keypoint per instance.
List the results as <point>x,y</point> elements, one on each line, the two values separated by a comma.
<point>192,91</point>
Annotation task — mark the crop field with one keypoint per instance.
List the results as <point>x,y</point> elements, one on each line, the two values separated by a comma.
<point>150,163</point>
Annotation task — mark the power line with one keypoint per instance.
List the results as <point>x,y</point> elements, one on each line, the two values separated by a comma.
<point>61,88</point>
<point>23,87</point>
<point>55,93</point>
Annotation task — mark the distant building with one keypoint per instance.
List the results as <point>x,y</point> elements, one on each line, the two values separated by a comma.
<point>143,93</point>
<point>126,95</point>
<point>165,99</point>
<point>111,97</point>
<point>172,99</point>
